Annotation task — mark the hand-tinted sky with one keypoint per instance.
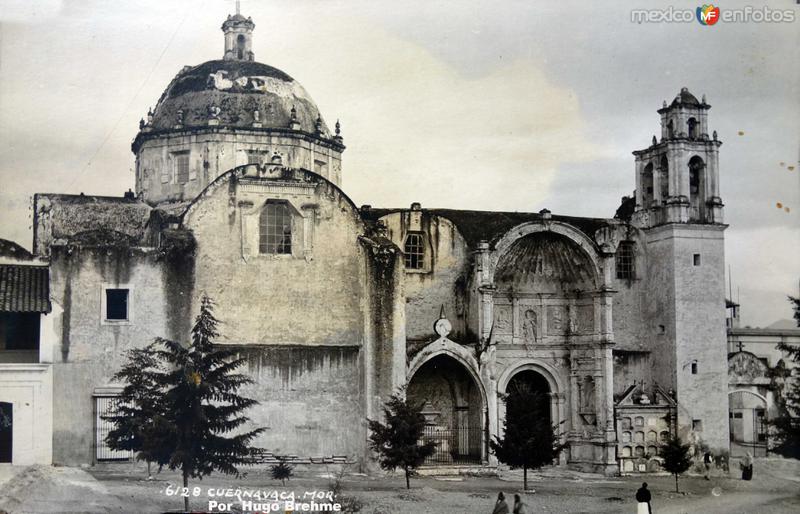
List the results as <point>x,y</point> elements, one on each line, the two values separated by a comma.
<point>505,105</point>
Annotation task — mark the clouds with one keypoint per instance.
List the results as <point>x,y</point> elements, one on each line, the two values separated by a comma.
<point>472,104</point>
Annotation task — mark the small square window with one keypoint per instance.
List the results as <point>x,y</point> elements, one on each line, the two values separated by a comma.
<point>116,304</point>
<point>696,259</point>
<point>697,425</point>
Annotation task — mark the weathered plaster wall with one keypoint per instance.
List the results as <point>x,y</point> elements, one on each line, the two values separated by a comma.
<point>302,318</point>
<point>29,389</point>
<point>692,302</point>
<point>88,352</point>
<point>701,332</point>
<point>443,281</point>
<point>311,399</point>
<point>630,366</point>
<point>213,153</point>
<point>312,297</point>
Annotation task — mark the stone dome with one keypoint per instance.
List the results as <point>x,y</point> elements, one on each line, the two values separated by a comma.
<point>686,98</point>
<point>227,93</point>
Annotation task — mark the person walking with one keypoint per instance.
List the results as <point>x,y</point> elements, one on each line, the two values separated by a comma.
<point>500,507</point>
<point>707,463</point>
<point>643,500</point>
<point>746,465</point>
<point>519,505</point>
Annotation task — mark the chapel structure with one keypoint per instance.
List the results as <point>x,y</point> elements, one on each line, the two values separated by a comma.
<point>619,321</point>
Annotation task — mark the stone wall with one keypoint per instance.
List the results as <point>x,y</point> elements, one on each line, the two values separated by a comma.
<point>211,153</point>
<point>443,280</point>
<point>692,303</point>
<point>88,352</point>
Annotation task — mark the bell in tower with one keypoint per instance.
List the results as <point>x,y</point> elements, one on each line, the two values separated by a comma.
<point>238,37</point>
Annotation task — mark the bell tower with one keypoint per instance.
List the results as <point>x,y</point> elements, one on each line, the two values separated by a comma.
<point>677,177</point>
<point>679,210</point>
<point>238,32</point>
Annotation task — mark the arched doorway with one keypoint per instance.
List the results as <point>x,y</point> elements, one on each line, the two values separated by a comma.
<point>747,416</point>
<point>529,380</point>
<point>453,407</point>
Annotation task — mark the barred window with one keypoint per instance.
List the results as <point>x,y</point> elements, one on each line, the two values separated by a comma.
<point>275,229</point>
<point>414,251</point>
<point>626,260</point>
<point>182,167</point>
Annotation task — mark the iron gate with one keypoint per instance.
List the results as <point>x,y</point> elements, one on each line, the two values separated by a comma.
<point>106,406</point>
<point>454,445</point>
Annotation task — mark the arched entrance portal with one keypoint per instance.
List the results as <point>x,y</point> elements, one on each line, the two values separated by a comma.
<point>453,407</point>
<point>747,414</point>
<point>529,380</point>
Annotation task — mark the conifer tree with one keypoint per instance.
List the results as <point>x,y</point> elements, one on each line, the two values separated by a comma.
<point>191,391</point>
<point>787,424</point>
<point>397,442</point>
<point>138,417</point>
<point>529,440</point>
<point>676,457</point>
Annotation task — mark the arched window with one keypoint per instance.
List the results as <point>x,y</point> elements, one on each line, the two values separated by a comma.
<point>692,123</point>
<point>626,260</point>
<point>670,129</point>
<point>240,41</point>
<point>696,178</point>
<point>663,177</point>
<point>647,185</point>
<point>275,229</point>
<point>414,250</point>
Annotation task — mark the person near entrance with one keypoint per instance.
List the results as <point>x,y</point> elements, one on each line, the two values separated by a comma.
<point>643,500</point>
<point>500,507</point>
<point>707,464</point>
<point>746,465</point>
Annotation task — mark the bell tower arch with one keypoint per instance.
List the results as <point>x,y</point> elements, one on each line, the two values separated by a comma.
<point>677,177</point>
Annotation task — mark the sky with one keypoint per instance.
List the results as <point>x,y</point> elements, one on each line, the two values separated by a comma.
<point>492,105</point>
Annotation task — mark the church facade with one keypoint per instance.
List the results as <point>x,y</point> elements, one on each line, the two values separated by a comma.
<point>620,320</point>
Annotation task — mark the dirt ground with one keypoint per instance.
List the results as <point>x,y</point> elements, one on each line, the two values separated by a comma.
<point>775,488</point>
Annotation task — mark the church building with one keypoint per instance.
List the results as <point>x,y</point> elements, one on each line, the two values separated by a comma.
<point>238,195</point>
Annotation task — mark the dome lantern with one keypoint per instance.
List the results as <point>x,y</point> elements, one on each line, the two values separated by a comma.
<point>238,32</point>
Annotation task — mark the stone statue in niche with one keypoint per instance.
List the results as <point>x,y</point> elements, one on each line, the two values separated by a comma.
<point>530,327</point>
<point>502,319</point>
<point>573,325</point>
<point>587,395</point>
<point>555,320</point>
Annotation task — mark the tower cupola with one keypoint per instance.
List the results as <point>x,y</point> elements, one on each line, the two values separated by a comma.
<point>677,177</point>
<point>238,32</point>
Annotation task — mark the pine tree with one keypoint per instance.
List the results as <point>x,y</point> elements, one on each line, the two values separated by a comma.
<point>529,440</point>
<point>202,404</point>
<point>676,457</point>
<point>397,442</point>
<point>138,418</point>
<point>180,405</point>
<point>787,424</point>
<point>281,471</point>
